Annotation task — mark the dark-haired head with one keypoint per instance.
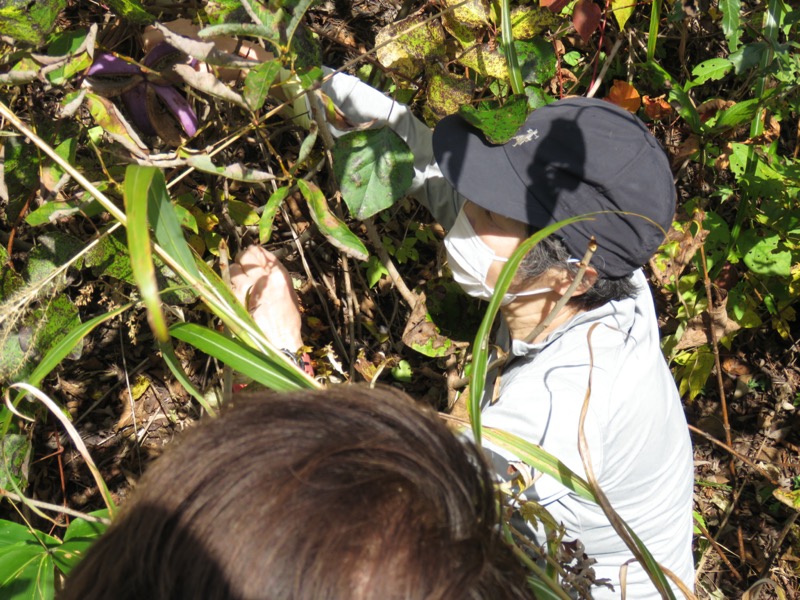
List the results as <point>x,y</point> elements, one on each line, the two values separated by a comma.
<point>348,493</point>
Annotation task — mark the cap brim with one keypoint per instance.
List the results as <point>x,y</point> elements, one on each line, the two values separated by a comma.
<point>480,171</point>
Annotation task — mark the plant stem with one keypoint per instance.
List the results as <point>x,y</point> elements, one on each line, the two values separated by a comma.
<point>514,72</point>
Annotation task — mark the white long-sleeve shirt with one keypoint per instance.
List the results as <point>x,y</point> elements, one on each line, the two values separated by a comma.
<point>636,430</point>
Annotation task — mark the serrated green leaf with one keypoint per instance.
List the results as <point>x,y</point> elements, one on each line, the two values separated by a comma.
<point>331,227</point>
<point>276,375</point>
<point>498,125</point>
<point>258,82</point>
<point>731,22</point>
<point>374,169</point>
<point>270,210</point>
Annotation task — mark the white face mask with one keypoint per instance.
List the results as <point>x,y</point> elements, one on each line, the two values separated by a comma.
<point>470,259</point>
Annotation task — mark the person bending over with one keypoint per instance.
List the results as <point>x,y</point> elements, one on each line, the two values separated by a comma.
<point>570,158</point>
<point>342,494</point>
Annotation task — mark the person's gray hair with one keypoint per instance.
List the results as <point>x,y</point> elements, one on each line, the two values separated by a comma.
<point>551,253</point>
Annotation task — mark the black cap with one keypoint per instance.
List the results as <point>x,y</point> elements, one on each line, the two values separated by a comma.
<point>572,157</point>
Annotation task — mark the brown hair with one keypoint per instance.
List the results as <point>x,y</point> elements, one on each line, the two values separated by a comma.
<point>347,493</point>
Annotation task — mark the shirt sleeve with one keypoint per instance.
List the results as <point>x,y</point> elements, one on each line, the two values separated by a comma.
<point>362,103</point>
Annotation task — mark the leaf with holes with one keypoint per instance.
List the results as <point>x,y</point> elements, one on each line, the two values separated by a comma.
<point>374,169</point>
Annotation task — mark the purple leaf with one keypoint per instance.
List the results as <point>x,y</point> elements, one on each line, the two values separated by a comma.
<point>178,106</point>
<point>162,53</point>
<point>110,66</point>
<point>136,102</point>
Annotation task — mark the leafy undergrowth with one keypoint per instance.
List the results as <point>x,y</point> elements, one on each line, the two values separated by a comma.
<point>229,157</point>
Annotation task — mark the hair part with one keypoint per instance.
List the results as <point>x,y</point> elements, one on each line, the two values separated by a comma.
<point>551,253</point>
<point>346,493</point>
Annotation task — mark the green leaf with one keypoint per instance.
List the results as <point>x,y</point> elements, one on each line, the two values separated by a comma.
<point>50,212</point>
<point>537,60</point>
<point>374,169</point>
<point>739,113</point>
<point>748,56</point>
<point>713,69</point>
<point>731,23</point>
<point>242,213</point>
<point>15,454</point>
<point>403,372</point>
<point>236,171</point>
<point>148,182</point>
<point>331,227</point>
<point>26,565</point>
<point>137,195</point>
<point>677,95</point>
<point>623,9</point>
<point>80,535</point>
<point>29,22</point>
<point>766,258</point>
<point>375,270</point>
<point>500,124</point>
<point>694,374</point>
<point>270,210</point>
<point>540,460</point>
<point>274,374</point>
<point>258,82</point>
<point>446,92</point>
<point>64,44</point>
<point>109,118</point>
<point>131,10</point>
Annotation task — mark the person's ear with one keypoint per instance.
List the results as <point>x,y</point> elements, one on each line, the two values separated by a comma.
<point>587,281</point>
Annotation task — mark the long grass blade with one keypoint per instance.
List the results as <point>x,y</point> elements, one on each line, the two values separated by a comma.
<point>137,197</point>
<point>240,357</point>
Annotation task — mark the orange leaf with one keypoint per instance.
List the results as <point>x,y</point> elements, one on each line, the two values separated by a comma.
<point>623,94</point>
<point>586,18</point>
<point>656,108</point>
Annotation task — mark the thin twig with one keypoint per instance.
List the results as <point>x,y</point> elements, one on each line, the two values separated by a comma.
<point>719,550</point>
<point>733,452</point>
<point>597,82</point>
<point>375,239</point>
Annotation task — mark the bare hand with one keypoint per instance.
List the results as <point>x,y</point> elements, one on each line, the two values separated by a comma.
<point>272,301</point>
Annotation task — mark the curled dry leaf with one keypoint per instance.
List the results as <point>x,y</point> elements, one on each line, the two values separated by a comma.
<point>624,95</point>
<point>657,108</point>
<point>696,333</point>
<point>669,271</point>
<point>207,52</point>
<point>207,83</point>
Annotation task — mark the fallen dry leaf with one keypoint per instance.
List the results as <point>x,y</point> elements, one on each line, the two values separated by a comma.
<point>696,333</point>
<point>624,95</point>
<point>668,271</point>
<point>656,108</point>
